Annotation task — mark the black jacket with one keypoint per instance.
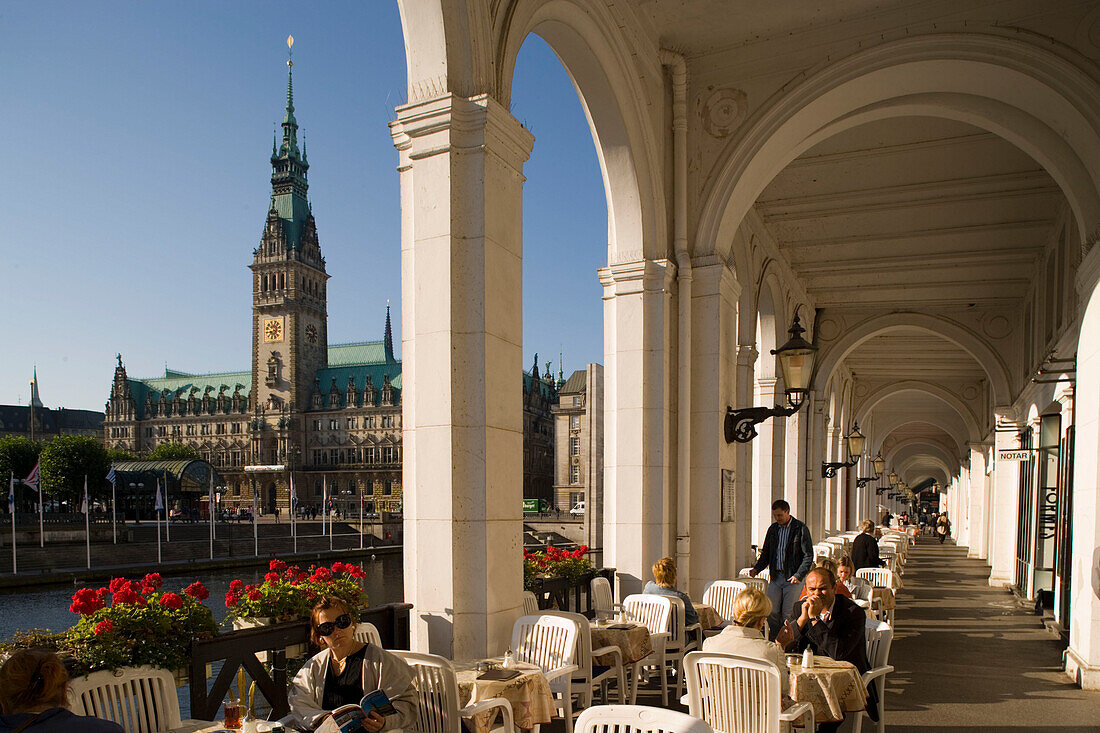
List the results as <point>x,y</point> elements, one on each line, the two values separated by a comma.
<point>800,551</point>
<point>865,552</point>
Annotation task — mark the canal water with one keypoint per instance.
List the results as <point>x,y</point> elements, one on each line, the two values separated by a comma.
<point>49,608</point>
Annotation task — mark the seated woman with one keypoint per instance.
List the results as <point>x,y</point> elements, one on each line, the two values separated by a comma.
<point>664,584</point>
<point>345,670</point>
<point>33,684</point>
<point>745,636</point>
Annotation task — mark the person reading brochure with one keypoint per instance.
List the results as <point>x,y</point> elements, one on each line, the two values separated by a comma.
<point>345,671</point>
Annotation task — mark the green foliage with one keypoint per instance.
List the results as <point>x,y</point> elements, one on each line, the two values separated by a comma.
<point>67,459</point>
<point>117,455</point>
<point>555,563</point>
<point>34,639</point>
<point>173,452</point>
<point>17,455</point>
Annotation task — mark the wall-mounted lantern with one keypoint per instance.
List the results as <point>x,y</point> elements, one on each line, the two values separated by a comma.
<point>855,440</point>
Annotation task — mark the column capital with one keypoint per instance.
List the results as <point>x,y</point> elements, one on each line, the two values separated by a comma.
<point>714,275</point>
<point>979,446</point>
<point>1007,417</point>
<point>454,124</point>
<point>747,355</point>
<point>636,276</point>
<point>1088,272</point>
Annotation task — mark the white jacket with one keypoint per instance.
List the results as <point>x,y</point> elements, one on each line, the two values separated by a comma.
<point>747,642</point>
<point>381,671</point>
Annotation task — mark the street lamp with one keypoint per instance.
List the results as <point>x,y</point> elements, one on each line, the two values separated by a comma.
<point>855,441</point>
<point>796,362</point>
<point>878,466</point>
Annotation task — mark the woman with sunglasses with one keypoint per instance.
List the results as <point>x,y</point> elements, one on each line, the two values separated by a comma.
<point>345,670</point>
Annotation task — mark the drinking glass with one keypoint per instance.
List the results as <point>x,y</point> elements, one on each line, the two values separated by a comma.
<point>232,715</point>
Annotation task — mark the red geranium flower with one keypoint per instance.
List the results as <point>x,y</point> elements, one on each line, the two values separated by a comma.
<point>339,567</point>
<point>152,580</point>
<point>86,602</point>
<point>272,578</point>
<point>254,595</point>
<point>127,595</point>
<point>197,591</point>
<point>322,574</point>
<point>104,626</point>
<point>118,584</point>
<point>277,565</point>
<point>231,599</point>
<point>236,584</point>
<point>171,600</point>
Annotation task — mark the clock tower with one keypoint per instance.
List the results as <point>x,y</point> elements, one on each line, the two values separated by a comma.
<point>289,312</point>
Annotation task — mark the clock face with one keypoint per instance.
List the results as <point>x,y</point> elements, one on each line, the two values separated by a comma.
<point>311,333</point>
<point>273,329</point>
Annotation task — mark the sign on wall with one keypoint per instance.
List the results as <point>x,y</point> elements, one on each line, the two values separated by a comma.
<point>1018,454</point>
<point>729,495</point>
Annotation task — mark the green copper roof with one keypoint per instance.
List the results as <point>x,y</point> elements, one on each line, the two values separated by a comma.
<point>547,390</point>
<point>364,352</point>
<point>182,382</point>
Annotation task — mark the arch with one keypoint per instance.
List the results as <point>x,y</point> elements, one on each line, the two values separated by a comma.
<point>589,45</point>
<point>934,390</point>
<point>440,44</point>
<point>962,337</point>
<point>901,455</point>
<point>1039,100</point>
<point>930,431</point>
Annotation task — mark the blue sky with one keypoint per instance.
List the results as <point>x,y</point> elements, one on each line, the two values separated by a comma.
<point>136,183</point>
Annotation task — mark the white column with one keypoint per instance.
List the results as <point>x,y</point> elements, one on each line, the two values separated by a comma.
<point>744,457</point>
<point>1005,504</point>
<point>768,459</point>
<point>962,506</point>
<point>638,518</point>
<point>831,486</point>
<point>719,525</point>
<point>977,509</point>
<point>461,193</point>
<point>1083,655</point>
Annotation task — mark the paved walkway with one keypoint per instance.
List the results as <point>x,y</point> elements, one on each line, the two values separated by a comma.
<point>968,658</point>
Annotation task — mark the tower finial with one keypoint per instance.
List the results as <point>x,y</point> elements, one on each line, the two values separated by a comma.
<point>389,335</point>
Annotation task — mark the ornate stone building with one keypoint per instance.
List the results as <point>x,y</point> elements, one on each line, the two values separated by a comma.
<point>320,413</point>
<point>307,410</point>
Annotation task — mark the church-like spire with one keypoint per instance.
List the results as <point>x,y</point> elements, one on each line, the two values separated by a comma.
<point>36,401</point>
<point>389,336</point>
<point>289,169</point>
<point>290,125</point>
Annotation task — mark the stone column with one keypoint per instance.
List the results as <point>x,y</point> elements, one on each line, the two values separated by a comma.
<point>1005,504</point>
<point>1083,655</point>
<point>977,509</point>
<point>462,213</point>
<point>833,440</point>
<point>768,458</point>
<point>747,356</point>
<point>638,515</point>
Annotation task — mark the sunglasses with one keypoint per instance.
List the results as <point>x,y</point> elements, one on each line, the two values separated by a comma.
<point>341,622</point>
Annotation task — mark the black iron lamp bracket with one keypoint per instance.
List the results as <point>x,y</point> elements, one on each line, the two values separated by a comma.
<point>828,470</point>
<point>864,480</point>
<point>741,424</point>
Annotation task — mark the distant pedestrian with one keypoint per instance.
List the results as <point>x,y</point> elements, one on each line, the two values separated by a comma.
<point>277,515</point>
<point>788,553</point>
<point>943,527</point>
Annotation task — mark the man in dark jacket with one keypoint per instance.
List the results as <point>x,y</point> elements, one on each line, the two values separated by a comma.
<point>788,552</point>
<point>833,626</point>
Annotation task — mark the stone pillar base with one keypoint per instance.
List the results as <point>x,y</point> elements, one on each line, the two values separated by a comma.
<point>1084,676</point>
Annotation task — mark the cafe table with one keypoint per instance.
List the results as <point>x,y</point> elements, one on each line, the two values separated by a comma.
<point>831,687</point>
<point>528,694</point>
<point>708,617</point>
<point>632,639</point>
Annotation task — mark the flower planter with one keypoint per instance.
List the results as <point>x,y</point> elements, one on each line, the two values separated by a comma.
<point>292,652</point>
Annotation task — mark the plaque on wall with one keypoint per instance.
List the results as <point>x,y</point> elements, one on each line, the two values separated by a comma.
<point>729,495</point>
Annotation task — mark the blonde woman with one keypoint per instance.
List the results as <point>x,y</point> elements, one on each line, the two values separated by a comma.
<point>745,636</point>
<point>664,584</point>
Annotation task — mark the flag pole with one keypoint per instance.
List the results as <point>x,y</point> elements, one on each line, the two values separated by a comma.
<point>167,519</point>
<point>324,504</point>
<point>87,524</point>
<point>114,515</point>
<point>360,521</point>
<point>293,509</point>
<point>255,533</point>
<point>158,507</point>
<point>41,522</point>
<point>11,509</point>
<point>210,512</point>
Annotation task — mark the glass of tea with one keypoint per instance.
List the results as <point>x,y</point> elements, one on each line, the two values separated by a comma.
<point>232,715</point>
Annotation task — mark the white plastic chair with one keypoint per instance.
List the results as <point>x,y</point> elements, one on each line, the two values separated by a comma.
<point>721,594</point>
<point>140,699</point>
<point>638,719</point>
<point>758,583</point>
<point>765,574</point>
<point>530,603</point>
<point>879,638</point>
<point>603,602</point>
<point>736,694</point>
<point>679,643</point>
<point>367,633</point>
<point>550,643</point>
<point>655,613</point>
<point>880,577</point>
<point>584,679</point>
<point>438,708</point>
